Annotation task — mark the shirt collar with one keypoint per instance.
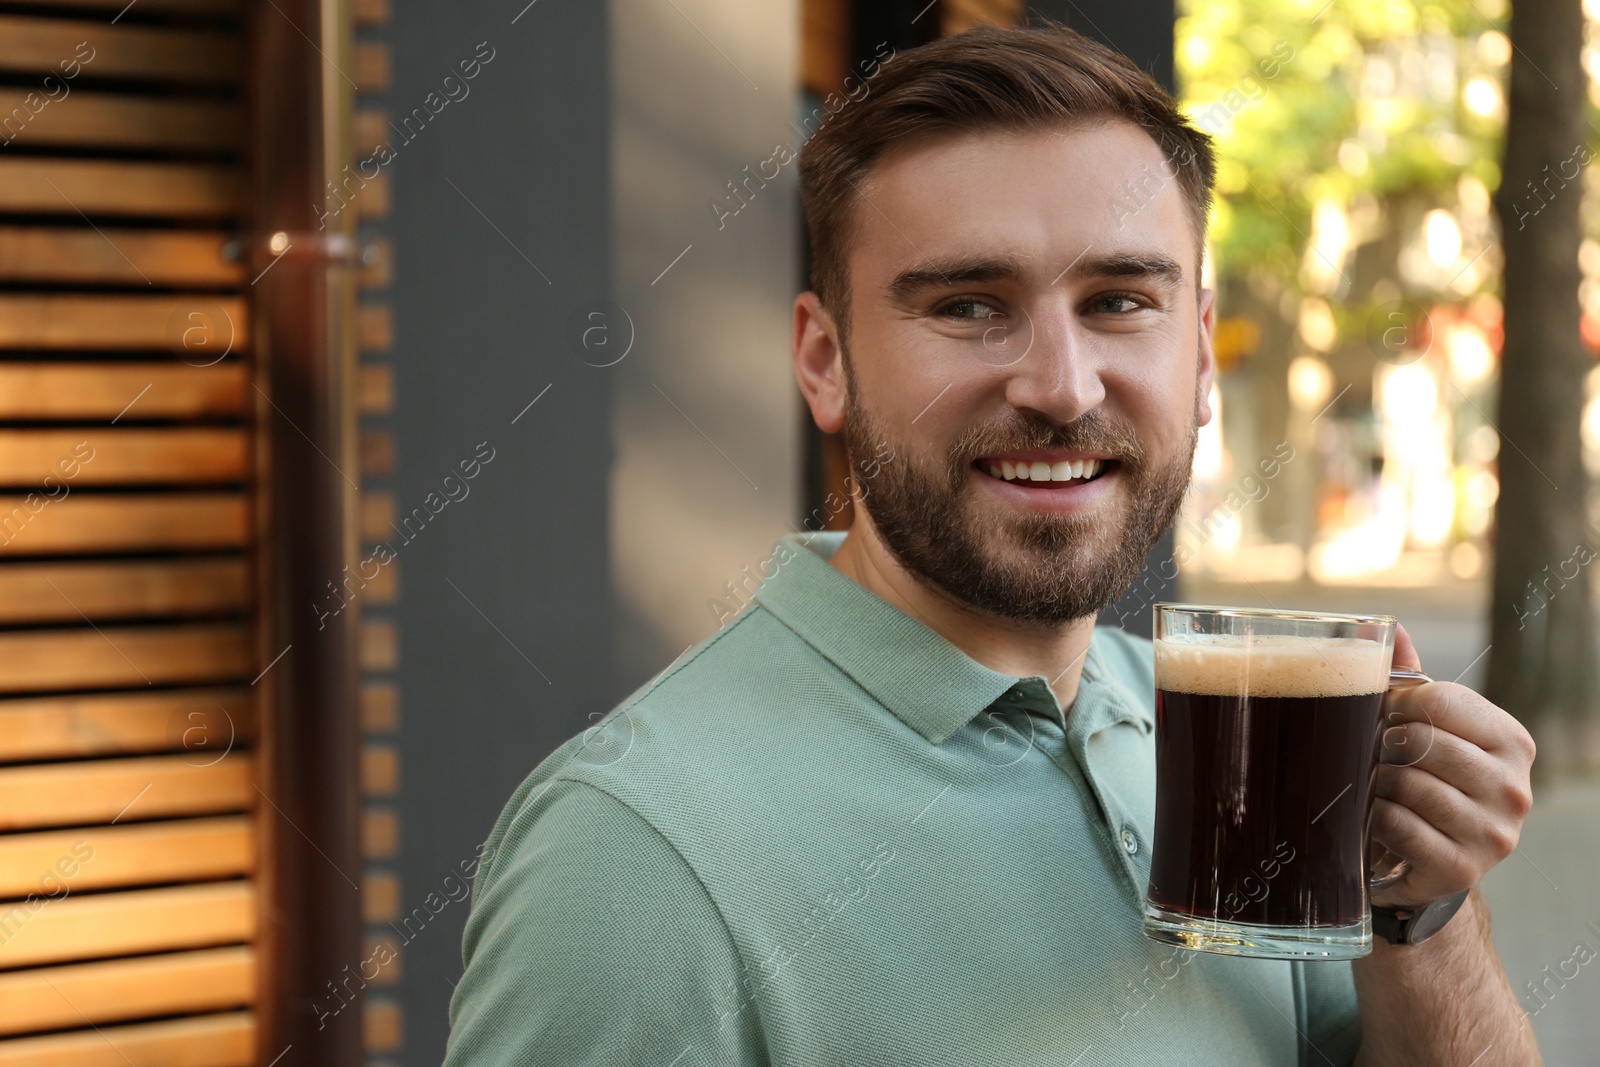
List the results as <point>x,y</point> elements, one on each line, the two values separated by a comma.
<point>909,668</point>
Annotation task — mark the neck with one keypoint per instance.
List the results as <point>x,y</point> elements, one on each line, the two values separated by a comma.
<point>1055,651</point>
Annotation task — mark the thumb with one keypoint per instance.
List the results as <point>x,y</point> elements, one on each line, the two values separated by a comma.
<point>1405,653</point>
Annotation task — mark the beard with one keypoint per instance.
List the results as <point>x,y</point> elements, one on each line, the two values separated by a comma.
<point>1032,568</point>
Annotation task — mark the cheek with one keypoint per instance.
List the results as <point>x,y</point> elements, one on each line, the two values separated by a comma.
<point>1160,404</point>
<point>900,371</point>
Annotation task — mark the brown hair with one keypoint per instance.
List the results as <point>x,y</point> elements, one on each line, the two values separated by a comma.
<point>982,80</point>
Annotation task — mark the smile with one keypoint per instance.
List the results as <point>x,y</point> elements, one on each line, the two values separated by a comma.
<point>1041,474</point>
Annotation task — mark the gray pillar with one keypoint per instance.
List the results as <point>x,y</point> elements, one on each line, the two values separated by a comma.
<point>501,223</point>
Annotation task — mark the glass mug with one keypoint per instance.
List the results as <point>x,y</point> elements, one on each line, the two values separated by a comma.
<point>1269,732</point>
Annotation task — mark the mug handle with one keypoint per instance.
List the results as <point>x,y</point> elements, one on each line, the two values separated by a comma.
<point>1389,868</point>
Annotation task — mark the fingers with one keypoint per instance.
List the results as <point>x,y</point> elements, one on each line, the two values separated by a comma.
<point>1439,864</point>
<point>1405,653</point>
<point>1491,781</point>
<point>1457,710</point>
<point>1467,831</point>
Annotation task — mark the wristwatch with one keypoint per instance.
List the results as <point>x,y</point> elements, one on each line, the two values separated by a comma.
<point>1419,923</point>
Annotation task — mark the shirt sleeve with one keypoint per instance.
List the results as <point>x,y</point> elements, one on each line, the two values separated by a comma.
<point>591,941</point>
<point>1329,1014</point>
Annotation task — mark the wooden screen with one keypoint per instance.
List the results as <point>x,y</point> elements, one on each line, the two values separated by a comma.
<point>127,611</point>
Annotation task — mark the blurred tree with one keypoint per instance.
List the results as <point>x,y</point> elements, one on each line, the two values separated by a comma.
<point>1339,125</point>
<point>1331,103</point>
<point>1543,662</point>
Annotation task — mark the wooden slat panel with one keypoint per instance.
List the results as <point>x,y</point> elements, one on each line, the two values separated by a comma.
<point>374,389</point>
<point>170,455</point>
<point>87,522</point>
<point>95,187</point>
<point>380,770</point>
<point>375,327</point>
<point>383,587</point>
<point>371,62</point>
<point>369,131</point>
<point>31,45</point>
<point>87,791</point>
<point>371,12</point>
<point>376,450</point>
<point>226,1040</point>
<point>188,325</point>
<point>380,897</point>
<point>54,998</point>
<point>204,784</point>
<point>380,1025</point>
<point>380,707</point>
<point>111,656</point>
<point>116,256</point>
<point>104,857</point>
<point>114,120</point>
<point>380,833</point>
<point>385,952</point>
<point>124,391</point>
<point>373,201</point>
<point>377,512</point>
<point>380,645</point>
<point>102,724</point>
<point>58,592</point>
<point>115,924</point>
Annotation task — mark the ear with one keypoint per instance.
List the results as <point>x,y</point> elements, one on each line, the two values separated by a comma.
<point>819,362</point>
<point>1208,356</point>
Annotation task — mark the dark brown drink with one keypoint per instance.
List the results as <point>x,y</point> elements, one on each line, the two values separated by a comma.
<point>1266,755</point>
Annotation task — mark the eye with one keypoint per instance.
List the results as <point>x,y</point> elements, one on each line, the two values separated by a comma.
<point>1116,303</point>
<point>969,309</point>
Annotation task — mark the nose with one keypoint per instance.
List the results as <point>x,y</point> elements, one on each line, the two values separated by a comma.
<point>1058,375</point>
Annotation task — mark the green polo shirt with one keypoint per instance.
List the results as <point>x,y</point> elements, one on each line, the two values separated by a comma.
<point>826,835</point>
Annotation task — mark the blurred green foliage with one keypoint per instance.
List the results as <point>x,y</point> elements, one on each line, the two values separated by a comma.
<point>1313,101</point>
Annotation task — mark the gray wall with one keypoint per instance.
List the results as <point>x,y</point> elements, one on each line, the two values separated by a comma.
<point>707,418</point>
<point>583,559</point>
<point>505,617</point>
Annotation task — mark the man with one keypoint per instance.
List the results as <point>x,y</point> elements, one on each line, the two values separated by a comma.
<point>899,810</point>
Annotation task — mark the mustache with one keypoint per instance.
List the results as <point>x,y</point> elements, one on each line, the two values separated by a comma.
<point>1093,431</point>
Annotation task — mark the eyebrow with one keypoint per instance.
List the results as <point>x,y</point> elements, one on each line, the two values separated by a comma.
<point>1153,266</point>
<point>940,274</point>
<point>962,270</point>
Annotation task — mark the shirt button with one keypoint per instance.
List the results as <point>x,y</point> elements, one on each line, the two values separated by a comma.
<point>1129,841</point>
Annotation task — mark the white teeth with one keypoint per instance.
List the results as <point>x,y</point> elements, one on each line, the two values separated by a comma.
<point>1039,471</point>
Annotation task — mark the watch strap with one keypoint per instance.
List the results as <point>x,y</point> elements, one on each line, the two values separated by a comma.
<point>1387,924</point>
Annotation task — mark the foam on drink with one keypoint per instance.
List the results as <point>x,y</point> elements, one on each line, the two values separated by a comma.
<point>1271,665</point>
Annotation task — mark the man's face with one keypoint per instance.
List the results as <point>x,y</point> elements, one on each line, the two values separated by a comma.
<point>1016,309</point>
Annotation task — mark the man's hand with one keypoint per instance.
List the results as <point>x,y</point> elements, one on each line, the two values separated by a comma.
<point>1454,788</point>
<point>1452,794</point>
